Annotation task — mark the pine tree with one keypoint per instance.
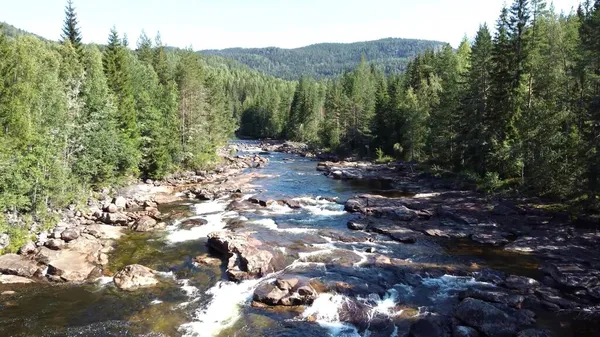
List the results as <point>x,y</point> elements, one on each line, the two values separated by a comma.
<point>70,29</point>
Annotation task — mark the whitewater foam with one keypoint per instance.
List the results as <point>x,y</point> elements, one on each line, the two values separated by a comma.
<point>223,310</point>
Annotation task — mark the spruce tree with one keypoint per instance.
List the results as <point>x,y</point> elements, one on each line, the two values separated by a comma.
<point>70,29</point>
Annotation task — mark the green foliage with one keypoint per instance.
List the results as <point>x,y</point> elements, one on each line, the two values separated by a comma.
<point>382,158</point>
<point>328,60</point>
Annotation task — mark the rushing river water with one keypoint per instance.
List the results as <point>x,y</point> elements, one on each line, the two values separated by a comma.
<point>197,300</point>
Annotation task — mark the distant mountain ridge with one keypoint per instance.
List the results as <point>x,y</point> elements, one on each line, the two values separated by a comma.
<point>326,60</point>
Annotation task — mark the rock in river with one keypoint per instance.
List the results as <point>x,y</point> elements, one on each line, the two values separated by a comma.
<point>288,290</point>
<point>135,276</point>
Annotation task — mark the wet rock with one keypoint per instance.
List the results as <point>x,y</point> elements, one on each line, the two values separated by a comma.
<point>269,293</point>
<point>147,224</point>
<point>448,212</point>
<point>534,333</point>
<point>134,277</point>
<point>573,275</point>
<point>13,279</point>
<point>148,203</point>
<point>370,250</point>
<point>193,223</point>
<point>28,248</point>
<point>552,298</point>
<point>521,283</point>
<point>69,234</point>
<point>496,296</point>
<point>486,318</point>
<point>55,244</point>
<point>430,326</point>
<point>207,260</point>
<point>292,203</point>
<point>246,259</point>
<point>464,331</point>
<point>397,233</point>
<point>69,266</point>
<point>356,225</point>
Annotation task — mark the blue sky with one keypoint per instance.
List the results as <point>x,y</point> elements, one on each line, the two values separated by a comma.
<point>208,24</point>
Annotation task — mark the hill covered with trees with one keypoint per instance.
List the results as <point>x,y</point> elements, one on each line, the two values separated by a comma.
<point>326,60</point>
<point>517,108</point>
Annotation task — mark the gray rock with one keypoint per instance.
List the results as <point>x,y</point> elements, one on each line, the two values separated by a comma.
<point>28,248</point>
<point>534,333</point>
<point>134,277</point>
<point>486,318</point>
<point>246,259</point>
<point>494,238</point>
<point>4,240</point>
<point>13,279</point>
<point>430,326</point>
<point>120,202</point>
<point>55,244</point>
<point>69,234</point>
<point>117,219</point>
<point>496,296</point>
<point>147,224</point>
<point>287,290</point>
<point>19,265</point>
<point>111,208</point>
<point>521,283</point>
<point>356,226</point>
<point>69,266</point>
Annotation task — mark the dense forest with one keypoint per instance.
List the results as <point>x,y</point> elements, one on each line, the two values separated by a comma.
<point>326,60</point>
<point>518,108</point>
<point>77,117</point>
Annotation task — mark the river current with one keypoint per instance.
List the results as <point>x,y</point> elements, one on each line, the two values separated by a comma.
<point>198,300</point>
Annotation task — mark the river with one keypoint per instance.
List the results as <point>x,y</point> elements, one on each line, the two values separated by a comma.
<point>198,300</point>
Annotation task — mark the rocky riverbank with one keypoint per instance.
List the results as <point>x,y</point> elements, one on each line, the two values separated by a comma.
<point>77,249</point>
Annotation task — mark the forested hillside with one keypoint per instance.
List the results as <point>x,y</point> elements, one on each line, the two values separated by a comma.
<point>12,31</point>
<point>80,117</point>
<point>326,60</point>
<point>517,108</point>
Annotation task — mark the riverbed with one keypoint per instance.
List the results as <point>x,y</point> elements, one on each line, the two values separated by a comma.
<point>364,294</point>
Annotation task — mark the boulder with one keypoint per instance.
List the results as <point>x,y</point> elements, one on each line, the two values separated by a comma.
<point>28,248</point>
<point>521,283</point>
<point>164,198</point>
<point>13,279</point>
<point>69,234</point>
<point>70,266</point>
<point>120,202</point>
<point>246,259</point>
<point>147,224</point>
<point>356,225</point>
<point>117,219</point>
<point>430,326</point>
<point>111,208</point>
<point>573,275</point>
<point>496,296</point>
<point>192,223</point>
<point>292,203</point>
<point>55,244</point>
<point>486,318</point>
<point>104,231</point>
<point>134,277</point>
<point>207,260</point>
<point>19,265</point>
<point>287,290</point>
<point>493,238</point>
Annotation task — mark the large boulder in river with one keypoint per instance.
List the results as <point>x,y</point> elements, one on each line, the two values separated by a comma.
<point>147,224</point>
<point>135,276</point>
<point>14,264</point>
<point>288,290</point>
<point>246,258</point>
<point>117,219</point>
<point>69,266</point>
